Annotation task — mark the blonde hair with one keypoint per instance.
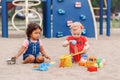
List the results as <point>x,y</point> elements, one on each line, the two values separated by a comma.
<point>76,25</point>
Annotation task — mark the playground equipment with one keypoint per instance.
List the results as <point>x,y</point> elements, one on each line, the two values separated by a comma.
<point>26,10</point>
<point>56,26</point>
<point>9,6</point>
<point>82,11</point>
<point>0,7</point>
<point>4,12</point>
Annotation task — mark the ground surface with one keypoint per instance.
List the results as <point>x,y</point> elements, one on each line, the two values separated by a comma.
<point>105,47</point>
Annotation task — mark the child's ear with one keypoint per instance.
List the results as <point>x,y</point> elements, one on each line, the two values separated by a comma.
<point>82,27</point>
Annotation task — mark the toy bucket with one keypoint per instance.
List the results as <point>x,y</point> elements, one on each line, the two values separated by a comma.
<point>66,60</point>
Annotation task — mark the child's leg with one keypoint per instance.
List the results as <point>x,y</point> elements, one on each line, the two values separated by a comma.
<point>39,59</point>
<point>29,59</point>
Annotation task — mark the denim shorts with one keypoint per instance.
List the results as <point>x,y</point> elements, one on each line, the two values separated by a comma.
<point>25,56</point>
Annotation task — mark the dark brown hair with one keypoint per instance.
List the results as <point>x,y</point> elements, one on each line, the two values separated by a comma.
<point>31,27</point>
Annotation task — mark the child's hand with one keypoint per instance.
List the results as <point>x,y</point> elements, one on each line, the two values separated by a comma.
<point>85,49</point>
<point>14,57</point>
<point>66,43</point>
<point>46,56</point>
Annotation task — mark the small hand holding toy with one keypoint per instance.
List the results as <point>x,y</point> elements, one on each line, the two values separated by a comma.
<point>11,60</point>
<point>75,47</point>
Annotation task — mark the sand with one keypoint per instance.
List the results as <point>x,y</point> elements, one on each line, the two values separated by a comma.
<point>105,47</point>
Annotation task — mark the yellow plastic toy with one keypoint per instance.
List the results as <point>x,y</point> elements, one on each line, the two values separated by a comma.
<point>66,60</point>
<point>92,61</point>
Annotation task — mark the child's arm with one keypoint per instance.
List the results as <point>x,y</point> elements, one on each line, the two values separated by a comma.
<point>43,52</point>
<point>22,49</point>
<point>86,47</point>
<point>66,43</point>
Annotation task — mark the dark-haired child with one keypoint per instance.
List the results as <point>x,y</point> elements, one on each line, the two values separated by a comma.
<point>32,48</point>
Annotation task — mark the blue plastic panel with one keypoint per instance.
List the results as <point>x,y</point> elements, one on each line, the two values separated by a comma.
<point>74,14</point>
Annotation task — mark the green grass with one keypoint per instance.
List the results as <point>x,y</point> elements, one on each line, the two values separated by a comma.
<point>115,23</point>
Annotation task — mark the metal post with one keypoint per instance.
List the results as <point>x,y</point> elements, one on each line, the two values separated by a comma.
<point>48,19</point>
<point>101,17</point>
<point>4,19</point>
<point>108,17</point>
<point>26,12</point>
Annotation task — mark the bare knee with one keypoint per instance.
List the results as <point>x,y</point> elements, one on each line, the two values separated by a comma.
<point>39,59</point>
<point>29,59</point>
<point>32,58</point>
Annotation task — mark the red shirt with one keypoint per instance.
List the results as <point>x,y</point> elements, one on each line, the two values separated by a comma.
<point>80,43</point>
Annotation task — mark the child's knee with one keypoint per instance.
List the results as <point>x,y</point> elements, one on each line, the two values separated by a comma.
<point>39,59</point>
<point>31,58</point>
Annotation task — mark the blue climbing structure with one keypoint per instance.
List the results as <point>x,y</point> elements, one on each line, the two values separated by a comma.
<point>57,14</point>
<point>74,10</point>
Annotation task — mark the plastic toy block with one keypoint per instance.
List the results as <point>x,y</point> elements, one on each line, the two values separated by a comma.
<point>92,69</point>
